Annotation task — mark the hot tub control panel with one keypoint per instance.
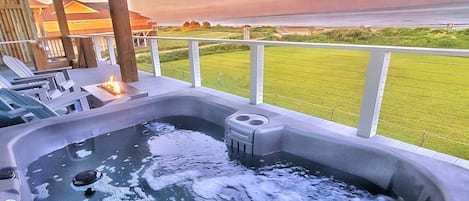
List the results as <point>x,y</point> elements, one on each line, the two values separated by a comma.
<point>252,133</point>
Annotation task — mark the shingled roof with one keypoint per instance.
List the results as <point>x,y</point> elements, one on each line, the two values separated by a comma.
<point>37,4</point>
<point>101,8</point>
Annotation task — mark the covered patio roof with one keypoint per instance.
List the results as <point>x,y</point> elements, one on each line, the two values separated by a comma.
<point>122,32</point>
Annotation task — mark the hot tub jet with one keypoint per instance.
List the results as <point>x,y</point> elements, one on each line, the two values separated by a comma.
<point>84,181</point>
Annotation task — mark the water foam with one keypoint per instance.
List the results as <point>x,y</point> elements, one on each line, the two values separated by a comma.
<point>83,153</point>
<point>42,192</point>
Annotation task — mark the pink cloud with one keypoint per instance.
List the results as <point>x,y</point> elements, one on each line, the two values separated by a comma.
<point>177,10</point>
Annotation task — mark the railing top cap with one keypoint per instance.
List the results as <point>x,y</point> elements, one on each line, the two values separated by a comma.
<point>18,41</point>
<point>414,50</point>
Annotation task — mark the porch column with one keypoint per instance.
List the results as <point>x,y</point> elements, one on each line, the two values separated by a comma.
<point>64,31</point>
<point>123,35</point>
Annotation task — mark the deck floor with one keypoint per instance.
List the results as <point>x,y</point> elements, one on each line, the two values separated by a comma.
<point>147,82</point>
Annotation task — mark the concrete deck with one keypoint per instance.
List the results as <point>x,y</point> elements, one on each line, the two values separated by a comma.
<point>147,82</point>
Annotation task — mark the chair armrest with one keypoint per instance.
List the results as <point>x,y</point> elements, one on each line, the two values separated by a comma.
<point>50,75</point>
<point>55,70</point>
<point>40,84</point>
<point>31,79</point>
<point>66,100</point>
<point>14,113</point>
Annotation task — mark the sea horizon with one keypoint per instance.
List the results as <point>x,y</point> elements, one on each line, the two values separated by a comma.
<point>422,16</point>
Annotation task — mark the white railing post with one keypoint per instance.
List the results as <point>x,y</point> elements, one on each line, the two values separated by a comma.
<point>110,46</point>
<point>155,57</point>
<point>373,93</point>
<point>256,74</point>
<point>97,49</point>
<point>194,62</point>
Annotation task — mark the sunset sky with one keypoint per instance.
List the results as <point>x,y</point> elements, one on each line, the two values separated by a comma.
<point>181,10</point>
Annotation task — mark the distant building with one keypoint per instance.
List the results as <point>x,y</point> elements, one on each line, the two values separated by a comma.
<point>84,18</point>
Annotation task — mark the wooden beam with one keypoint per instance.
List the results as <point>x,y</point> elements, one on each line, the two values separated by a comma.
<point>28,19</point>
<point>124,42</point>
<point>86,54</point>
<point>64,31</point>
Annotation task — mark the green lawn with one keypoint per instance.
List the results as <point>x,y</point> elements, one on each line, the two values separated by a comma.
<point>174,44</point>
<point>426,101</point>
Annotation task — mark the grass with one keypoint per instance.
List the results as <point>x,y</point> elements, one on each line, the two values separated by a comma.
<point>418,37</point>
<point>425,103</point>
<point>426,99</point>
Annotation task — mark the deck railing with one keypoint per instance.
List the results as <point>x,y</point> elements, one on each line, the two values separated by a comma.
<point>425,101</point>
<point>19,49</point>
<point>53,47</point>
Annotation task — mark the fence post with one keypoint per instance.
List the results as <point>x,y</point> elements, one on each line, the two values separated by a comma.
<point>97,49</point>
<point>155,57</point>
<point>373,93</point>
<point>194,62</point>
<point>110,46</point>
<point>257,74</point>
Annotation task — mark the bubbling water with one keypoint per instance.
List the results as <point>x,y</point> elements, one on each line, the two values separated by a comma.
<point>169,163</point>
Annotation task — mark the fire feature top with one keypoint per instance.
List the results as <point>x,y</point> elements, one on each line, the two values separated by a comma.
<point>112,87</point>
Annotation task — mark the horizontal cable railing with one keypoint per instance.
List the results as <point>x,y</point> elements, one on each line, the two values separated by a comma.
<point>417,95</point>
<point>316,82</point>
<point>429,98</point>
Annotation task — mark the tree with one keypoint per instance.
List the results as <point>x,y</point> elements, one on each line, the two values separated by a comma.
<point>195,25</point>
<point>186,25</point>
<point>206,25</point>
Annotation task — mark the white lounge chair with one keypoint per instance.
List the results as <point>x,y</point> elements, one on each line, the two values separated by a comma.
<point>23,71</point>
<point>32,87</point>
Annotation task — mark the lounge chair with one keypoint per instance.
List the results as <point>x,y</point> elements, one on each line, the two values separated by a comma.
<point>32,87</point>
<point>14,106</point>
<point>23,71</point>
<point>9,115</point>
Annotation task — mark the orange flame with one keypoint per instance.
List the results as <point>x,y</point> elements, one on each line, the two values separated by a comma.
<point>112,85</point>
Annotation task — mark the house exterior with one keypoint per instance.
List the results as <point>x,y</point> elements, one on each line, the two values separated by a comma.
<point>84,18</point>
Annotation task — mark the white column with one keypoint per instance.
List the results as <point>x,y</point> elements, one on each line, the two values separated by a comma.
<point>194,63</point>
<point>373,93</point>
<point>97,49</point>
<point>155,57</point>
<point>257,74</point>
<point>110,46</point>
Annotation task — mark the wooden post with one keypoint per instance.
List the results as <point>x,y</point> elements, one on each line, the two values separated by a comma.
<point>39,56</point>
<point>123,33</point>
<point>86,54</point>
<point>64,31</point>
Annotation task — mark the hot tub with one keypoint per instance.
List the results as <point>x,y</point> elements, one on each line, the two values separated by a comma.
<point>249,131</point>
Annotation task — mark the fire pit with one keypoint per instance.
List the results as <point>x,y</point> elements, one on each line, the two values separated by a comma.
<point>104,93</point>
<point>112,86</point>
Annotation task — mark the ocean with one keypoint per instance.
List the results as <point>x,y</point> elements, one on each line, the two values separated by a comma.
<point>431,16</point>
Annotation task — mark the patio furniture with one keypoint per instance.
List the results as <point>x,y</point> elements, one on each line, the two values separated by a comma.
<point>9,115</point>
<point>100,97</point>
<point>33,87</point>
<point>15,106</point>
<point>23,71</point>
